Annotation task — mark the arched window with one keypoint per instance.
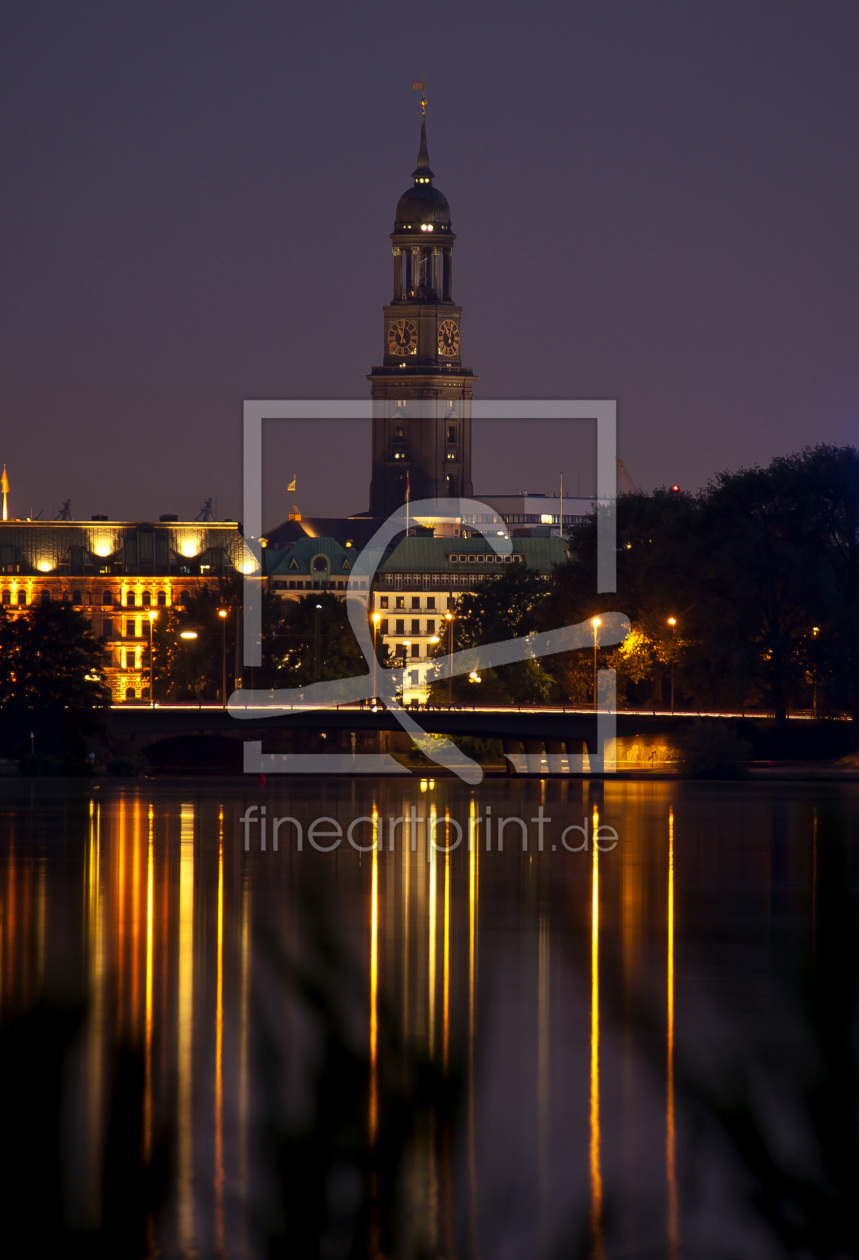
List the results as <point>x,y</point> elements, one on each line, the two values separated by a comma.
<point>76,598</point>
<point>46,597</point>
<point>162,599</point>
<point>146,600</point>
<point>107,599</point>
<point>130,693</point>
<point>130,600</point>
<point>186,599</point>
<point>451,486</point>
<point>144,695</point>
<point>22,598</point>
<point>7,597</point>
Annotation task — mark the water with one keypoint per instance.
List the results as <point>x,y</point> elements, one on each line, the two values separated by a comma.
<point>484,1051</point>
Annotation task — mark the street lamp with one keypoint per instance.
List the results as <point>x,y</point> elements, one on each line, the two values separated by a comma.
<point>316,663</point>
<point>448,616</point>
<point>222,613</point>
<point>672,621</point>
<point>595,622</point>
<point>152,615</point>
<point>376,619</point>
<point>815,631</point>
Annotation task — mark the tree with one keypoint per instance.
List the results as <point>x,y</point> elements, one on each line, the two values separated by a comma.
<point>52,681</point>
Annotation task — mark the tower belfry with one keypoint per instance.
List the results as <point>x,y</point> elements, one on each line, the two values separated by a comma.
<point>421,393</point>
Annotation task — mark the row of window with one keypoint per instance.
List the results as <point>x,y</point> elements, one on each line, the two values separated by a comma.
<point>107,599</point>
<point>400,602</point>
<point>400,626</point>
<point>459,557</point>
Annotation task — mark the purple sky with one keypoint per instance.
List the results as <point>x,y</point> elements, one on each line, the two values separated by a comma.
<point>653,202</point>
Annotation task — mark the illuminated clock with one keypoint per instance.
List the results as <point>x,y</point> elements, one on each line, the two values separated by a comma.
<point>448,338</point>
<point>402,337</point>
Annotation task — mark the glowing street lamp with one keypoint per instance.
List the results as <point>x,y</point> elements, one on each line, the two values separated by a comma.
<point>188,634</point>
<point>448,616</point>
<point>376,619</point>
<point>596,623</point>
<point>672,621</point>
<point>222,613</point>
<point>152,615</point>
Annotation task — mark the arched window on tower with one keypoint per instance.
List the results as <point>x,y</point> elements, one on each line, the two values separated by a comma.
<point>450,485</point>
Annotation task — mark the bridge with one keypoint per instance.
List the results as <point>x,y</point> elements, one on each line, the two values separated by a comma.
<point>209,733</point>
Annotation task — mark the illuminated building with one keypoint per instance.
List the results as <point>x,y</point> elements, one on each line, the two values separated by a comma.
<point>116,573</point>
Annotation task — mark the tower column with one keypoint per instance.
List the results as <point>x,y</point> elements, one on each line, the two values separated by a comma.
<point>398,274</point>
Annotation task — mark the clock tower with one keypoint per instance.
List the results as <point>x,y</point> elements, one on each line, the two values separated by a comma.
<point>421,393</point>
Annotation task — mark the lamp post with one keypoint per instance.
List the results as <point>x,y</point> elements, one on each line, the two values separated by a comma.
<point>815,631</point>
<point>406,644</point>
<point>222,613</point>
<point>152,616</point>
<point>448,616</point>
<point>595,622</point>
<point>672,621</point>
<point>316,660</point>
<point>376,620</point>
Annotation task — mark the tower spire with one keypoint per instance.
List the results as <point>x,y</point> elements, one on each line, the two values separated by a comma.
<point>4,489</point>
<point>422,173</point>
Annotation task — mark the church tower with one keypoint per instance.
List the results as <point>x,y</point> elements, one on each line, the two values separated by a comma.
<point>421,393</point>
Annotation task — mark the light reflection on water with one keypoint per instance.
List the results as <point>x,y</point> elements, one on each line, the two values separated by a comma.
<point>555,991</point>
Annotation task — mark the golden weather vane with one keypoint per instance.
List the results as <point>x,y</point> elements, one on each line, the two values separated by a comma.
<point>419,87</point>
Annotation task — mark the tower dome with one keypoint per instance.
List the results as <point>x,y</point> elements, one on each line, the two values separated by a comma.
<point>422,207</point>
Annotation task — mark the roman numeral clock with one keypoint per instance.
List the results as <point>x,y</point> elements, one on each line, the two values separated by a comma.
<point>421,359</point>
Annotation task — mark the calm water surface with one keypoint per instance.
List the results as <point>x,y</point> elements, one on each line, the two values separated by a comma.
<point>478,1052</point>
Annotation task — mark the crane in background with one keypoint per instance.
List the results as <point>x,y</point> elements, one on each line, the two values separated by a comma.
<point>629,486</point>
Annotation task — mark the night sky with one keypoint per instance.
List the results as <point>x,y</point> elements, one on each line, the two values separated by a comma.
<point>654,202</point>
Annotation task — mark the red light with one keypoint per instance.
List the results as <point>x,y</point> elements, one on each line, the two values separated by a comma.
<point>675,489</point>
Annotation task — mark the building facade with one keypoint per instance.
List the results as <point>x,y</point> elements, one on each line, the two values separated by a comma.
<point>119,575</point>
<point>419,583</point>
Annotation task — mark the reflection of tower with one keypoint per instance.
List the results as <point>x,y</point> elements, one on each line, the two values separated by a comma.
<point>430,445</point>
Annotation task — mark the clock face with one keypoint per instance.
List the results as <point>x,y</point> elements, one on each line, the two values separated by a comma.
<point>448,338</point>
<point>402,337</point>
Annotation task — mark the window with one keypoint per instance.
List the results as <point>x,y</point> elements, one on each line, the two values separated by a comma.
<point>131,629</point>
<point>22,598</point>
<point>399,627</point>
<point>451,433</point>
<point>414,677</point>
<point>107,627</point>
<point>416,626</point>
<point>416,649</point>
<point>162,599</point>
<point>400,601</point>
<point>76,597</point>
<point>430,627</point>
<point>7,597</point>
<point>129,660</point>
<point>146,600</point>
<point>130,600</point>
<point>383,625</point>
<point>431,601</point>
<point>416,601</point>
<point>383,602</point>
<point>46,597</point>
<point>130,693</point>
<point>186,599</point>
